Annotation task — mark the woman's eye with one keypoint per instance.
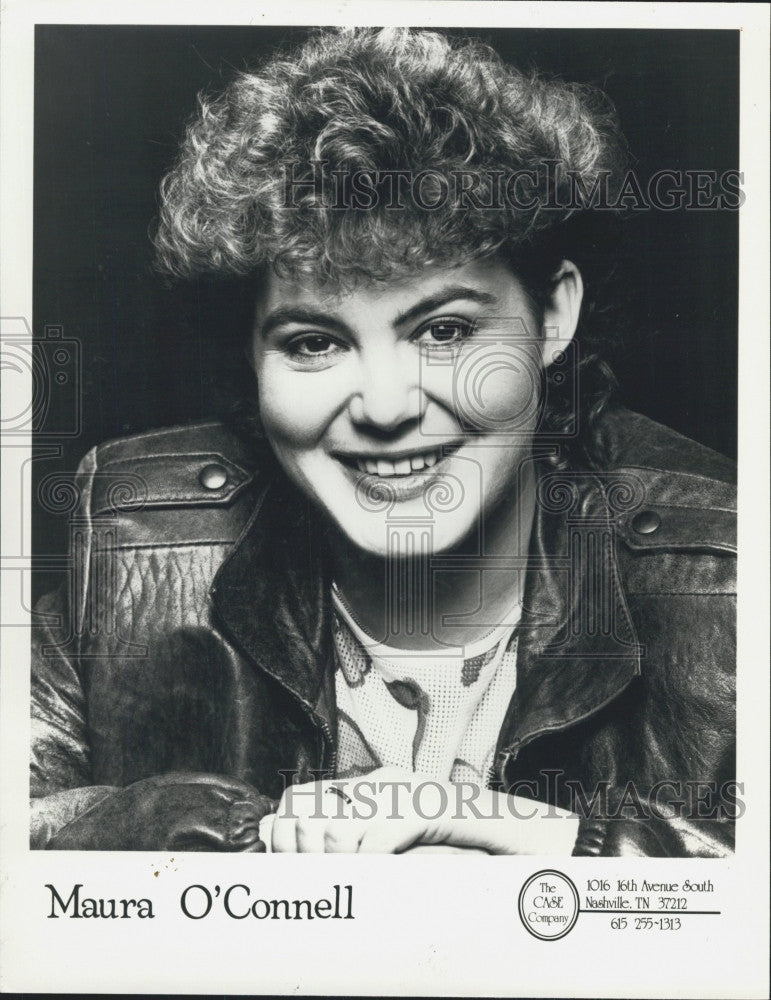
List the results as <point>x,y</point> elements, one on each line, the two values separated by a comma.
<point>445,333</point>
<point>312,346</point>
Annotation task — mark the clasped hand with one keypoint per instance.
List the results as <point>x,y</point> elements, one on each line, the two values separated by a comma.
<point>392,811</point>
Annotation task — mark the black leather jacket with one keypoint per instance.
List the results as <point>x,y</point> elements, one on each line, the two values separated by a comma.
<point>195,639</point>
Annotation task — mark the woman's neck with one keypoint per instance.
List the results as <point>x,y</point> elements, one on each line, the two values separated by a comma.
<point>453,598</point>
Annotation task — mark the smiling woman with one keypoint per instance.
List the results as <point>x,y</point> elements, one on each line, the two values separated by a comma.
<point>437,555</point>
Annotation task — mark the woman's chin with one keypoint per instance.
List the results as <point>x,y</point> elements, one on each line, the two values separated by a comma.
<point>402,537</point>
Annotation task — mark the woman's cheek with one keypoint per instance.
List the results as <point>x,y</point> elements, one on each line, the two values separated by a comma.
<point>438,382</point>
<point>297,407</point>
<point>494,391</point>
<point>512,396</point>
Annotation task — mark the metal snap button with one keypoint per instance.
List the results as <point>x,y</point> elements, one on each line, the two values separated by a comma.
<point>213,477</point>
<point>646,522</point>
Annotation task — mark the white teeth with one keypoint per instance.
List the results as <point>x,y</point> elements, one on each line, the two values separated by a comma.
<point>401,467</point>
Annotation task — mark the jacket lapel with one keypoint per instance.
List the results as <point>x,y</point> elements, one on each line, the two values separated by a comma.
<point>577,645</point>
<point>271,593</point>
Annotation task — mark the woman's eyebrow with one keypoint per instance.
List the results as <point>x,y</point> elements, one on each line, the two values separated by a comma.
<point>441,298</point>
<point>315,317</point>
<point>299,314</point>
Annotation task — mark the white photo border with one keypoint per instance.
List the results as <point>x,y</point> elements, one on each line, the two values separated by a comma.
<point>424,926</point>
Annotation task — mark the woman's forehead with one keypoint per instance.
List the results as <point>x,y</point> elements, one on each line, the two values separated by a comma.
<point>486,282</point>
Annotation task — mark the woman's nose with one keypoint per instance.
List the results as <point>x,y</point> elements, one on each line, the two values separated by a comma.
<point>388,392</point>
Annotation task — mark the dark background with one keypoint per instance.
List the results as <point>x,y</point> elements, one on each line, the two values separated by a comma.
<point>110,108</point>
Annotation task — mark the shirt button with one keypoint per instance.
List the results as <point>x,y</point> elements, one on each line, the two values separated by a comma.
<point>213,477</point>
<point>646,522</point>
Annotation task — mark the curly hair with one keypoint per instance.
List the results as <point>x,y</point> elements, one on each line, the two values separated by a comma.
<point>371,102</point>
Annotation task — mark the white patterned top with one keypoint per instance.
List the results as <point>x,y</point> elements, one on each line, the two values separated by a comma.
<point>438,713</point>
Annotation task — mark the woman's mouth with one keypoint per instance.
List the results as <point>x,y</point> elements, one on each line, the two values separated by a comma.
<point>402,466</point>
<point>401,477</point>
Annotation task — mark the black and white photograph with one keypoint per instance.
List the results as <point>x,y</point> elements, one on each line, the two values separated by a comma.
<point>375,484</point>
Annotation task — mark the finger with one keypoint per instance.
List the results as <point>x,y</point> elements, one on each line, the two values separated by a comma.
<point>283,836</point>
<point>309,834</point>
<point>344,836</point>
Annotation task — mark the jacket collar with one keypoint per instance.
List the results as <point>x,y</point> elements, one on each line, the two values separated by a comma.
<point>577,645</point>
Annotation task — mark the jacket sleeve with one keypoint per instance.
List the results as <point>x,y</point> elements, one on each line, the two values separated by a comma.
<point>683,800</point>
<point>60,784</point>
<point>175,811</point>
<point>181,810</point>
<point>672,806</point>
<point>659,837</point>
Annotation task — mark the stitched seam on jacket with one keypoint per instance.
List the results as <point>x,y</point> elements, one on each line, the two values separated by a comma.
<point>676,472</point>
<point>177,456</point>
<point>682,593</point>
<point>682,506</point>
<point>155,546</point>
<point>164,432</point>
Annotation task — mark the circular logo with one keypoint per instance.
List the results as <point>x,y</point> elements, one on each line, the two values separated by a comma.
<point>548,905</point>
